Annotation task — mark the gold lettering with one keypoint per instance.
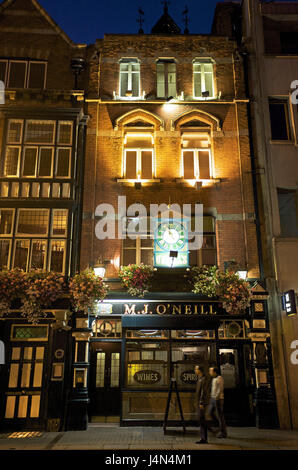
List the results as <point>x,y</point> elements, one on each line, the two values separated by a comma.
<point>176,309</point>
<point>188,310</point>
<point>130,310</point>
<point>159,307</point>
<point>145,309</point>
<point>196,309</point>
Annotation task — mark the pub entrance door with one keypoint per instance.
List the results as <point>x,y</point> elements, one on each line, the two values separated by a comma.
<point>235,368</point>
<point>104,390</point>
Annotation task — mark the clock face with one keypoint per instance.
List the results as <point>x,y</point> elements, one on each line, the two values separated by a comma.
<point>171,236</point>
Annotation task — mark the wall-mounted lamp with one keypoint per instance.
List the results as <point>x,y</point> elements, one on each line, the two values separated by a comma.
<point>242,274</point>
<point>138,185</point>
<point>100,268</point>
<point>77,64</point>
<point>198,185</point>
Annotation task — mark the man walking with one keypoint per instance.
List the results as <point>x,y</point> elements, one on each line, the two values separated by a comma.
<point>202,397</point>
<point>217,401</point>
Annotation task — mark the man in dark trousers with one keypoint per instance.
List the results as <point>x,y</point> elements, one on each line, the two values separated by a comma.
<point>202,397</point>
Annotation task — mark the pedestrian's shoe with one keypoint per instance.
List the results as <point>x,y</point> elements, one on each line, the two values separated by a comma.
<point>221,436</point>
<point>201,441</point>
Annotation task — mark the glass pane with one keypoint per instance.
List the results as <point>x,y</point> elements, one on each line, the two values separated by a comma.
<point>16,354</point>
<point>26,371</point>
<point>115,369</point>
<point>57,256</point>
<point>6,217</point>
<point>37,75</point>
<point>28,353</point>
<point>229,367</point>
<point>37,380</point>
<point>21,254</point>
<point>17,75</point>
<point>11,164</point>
<point>45,162</point>
<point>146,162</point>
<point>40,132</point>
<point>204,164</point>
<point>63,163</point>
<point>135,84</point>
<point>197,85</point>
<point>186,357</point>
<point>33,222</point>
<point>30,156</point>
<point>209,257</point>
<point>4,253</point>
<point>3,66</point>
<point>35,405</point>
<point>161,90</point>
<point>149,368</point>
<point>209,83</point>
<point>147,257</point>
<point>60,223</point>
<point>38,254</point>
<point>131,165</point>
<point>13,376</point>
<point>129,257</point>
<point>23,405</point>
<point>10,407</point>
<point>14,135</point>
<point>278,119</point>
<point>123,83</point>
<point>100,369</point>
<point>39,353</point>
<point>65,133</point>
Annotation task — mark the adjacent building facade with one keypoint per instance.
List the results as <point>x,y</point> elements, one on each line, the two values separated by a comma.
<point>268,39</point>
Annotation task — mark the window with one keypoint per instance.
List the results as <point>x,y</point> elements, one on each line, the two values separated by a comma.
<point>138,156</point>
<point>196,156</point>
<point>23,73</point>
<point>279,119</point>
<point>43,150</point>
<point>129,78</point>
<point>203,77</point>
<point>289,42</point>
<point>33,239</point>
<point>139,250</point>
<point>166,78</point>
<point>288,212</point>
<point>207,255</point>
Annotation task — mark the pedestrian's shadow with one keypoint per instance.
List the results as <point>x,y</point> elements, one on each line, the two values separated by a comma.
<point>180,432</point>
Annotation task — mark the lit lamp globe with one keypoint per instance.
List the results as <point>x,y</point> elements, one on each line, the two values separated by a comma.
<point>242,274</point>
<point>99,270</point>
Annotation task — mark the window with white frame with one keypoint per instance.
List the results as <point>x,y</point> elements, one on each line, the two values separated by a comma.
<point>129,86</point>
<point>166,78</point>
<point>196,155</point>
<point>22,73</point>
<point>33,239</point>
<point>140,249</point>
<point>38,149</point>
<point>138,156</point>
<point>203,78</point>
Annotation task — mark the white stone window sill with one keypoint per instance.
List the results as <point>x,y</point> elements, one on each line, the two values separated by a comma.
<point>141,181</point>
<point>192,182</point>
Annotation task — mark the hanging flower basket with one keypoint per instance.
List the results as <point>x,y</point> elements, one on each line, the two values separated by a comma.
<point>228,287</point>
<point>42,289</point>
<point>136,278</point>
<point>13,284</point>
<point>85,289</point>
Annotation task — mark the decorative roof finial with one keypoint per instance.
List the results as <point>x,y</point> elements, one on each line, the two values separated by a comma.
<point>166,3</point>
<point>141,20</point>
<point>186,20</point>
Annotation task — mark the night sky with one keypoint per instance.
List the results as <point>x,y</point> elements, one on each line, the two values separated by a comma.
<point>87,20</point>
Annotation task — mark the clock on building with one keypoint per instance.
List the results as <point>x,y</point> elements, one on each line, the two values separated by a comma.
<point>171,236</point>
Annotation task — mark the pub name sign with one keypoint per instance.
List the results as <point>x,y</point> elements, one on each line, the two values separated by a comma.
<point>160,308</point>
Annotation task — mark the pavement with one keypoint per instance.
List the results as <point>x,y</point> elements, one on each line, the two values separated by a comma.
<point>110,437</point>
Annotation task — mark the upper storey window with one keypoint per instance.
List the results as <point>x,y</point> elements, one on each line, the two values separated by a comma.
<point>129,78</point>
<point>196,155</point>
<point>203,78</point>
<point>166,78</point>
<point>138,156</point>
<point>23,73</point>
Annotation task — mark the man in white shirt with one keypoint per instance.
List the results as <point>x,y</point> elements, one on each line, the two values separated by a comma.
<point>217,400</point>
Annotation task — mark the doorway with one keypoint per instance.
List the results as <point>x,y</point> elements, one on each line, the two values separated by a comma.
<point>104,389</point>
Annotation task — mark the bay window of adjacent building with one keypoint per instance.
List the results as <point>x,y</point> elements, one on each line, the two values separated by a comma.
<point>23,73</point>
<point>203,78</point>
<point>38,149</point>
<point>279,119</point>
<point>129,78</point>
<point>166,78</point>
<point>196,155</point>
<point>139,156</point>
<point>33,239</point>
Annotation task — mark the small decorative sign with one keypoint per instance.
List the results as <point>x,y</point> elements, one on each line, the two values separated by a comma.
<point>289,303</point>
<point>188,377</point>
<point>148,377</point>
